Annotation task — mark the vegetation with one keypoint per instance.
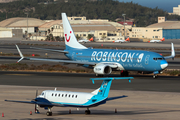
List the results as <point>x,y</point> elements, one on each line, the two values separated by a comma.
<point>61,68</point>
<point>100,9</point>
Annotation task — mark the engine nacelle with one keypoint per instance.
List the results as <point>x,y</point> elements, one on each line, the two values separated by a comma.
<point>102,69</point>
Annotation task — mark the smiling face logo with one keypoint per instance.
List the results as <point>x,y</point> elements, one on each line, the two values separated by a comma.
<point>68,38</point>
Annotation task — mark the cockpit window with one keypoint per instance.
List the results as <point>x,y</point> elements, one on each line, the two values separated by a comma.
<point>158,58</point>
<point>42,93</point>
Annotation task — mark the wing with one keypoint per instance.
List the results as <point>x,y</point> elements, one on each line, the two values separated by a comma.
<point>53,60</point>
<point>40,101</point>
<point>113,98</point>
<point>61,51</point>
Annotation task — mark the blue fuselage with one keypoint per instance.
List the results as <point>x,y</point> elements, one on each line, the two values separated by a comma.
<point>131,60</point>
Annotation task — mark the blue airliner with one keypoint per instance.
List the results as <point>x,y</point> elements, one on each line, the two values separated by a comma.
<point>104,61</point>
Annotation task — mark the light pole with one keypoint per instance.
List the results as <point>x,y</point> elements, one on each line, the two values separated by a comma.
<point>27,23</point>
<point>124,25</point>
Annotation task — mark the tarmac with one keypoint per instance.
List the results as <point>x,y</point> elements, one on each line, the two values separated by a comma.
<point>139,105</point>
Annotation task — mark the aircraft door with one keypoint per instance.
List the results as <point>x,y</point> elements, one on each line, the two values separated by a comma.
<point>147,59</point>
<point>73,55</point>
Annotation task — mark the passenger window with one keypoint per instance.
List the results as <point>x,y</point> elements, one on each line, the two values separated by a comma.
<point>66,95</point>
<point>59,95</point>
<point>55,94</point>
<point>62,95</point>
<point>69,95</point>
<point>52,94</point>
<point>72,96</point>
<point>76,96</point>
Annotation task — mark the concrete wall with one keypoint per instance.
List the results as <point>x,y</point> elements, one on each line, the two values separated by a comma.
<point>5,34</point>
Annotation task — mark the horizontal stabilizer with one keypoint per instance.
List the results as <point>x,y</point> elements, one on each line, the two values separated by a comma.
<point>113,98</point>
<point>113,78</point>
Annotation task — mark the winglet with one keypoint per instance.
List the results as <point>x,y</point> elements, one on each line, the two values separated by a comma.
<point>172,52</point>
<point>22,57</point>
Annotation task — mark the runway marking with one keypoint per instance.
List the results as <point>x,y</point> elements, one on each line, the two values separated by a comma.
<point>20,74</point>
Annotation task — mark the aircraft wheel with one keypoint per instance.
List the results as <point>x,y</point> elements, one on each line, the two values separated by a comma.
<point>155,76</point>
<point>87,112</point>
<point>49,113</point>
<point>97,75</point>
<point>124,74</point>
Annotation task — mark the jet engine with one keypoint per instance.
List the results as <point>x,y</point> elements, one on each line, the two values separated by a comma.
<point>102,69</point>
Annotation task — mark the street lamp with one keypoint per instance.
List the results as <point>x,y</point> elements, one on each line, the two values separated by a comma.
<point>124,25</point>
<point>27,23</point>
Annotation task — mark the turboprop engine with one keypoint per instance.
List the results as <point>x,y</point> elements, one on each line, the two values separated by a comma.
<point>102,69</point>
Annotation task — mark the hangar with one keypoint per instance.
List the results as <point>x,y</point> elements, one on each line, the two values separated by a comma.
<point>25,24</point>
<point>170,29</point>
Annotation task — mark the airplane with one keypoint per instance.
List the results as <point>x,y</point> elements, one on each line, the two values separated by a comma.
<point>84,40</point>
<point>155,41</point>
<point>104,61</point>
<point>121,41</point>
<point>54,98</point>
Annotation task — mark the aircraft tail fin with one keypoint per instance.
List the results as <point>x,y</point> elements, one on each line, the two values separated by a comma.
<point>103,91</point>
<point>127,39</point>
<point>91,39</point>
<point>69,36</point>
<point>163,39</point>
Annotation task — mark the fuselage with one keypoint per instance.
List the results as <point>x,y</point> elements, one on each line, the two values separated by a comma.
<point>70,99</point>
<point>131,60</point>
<point>155,41</point>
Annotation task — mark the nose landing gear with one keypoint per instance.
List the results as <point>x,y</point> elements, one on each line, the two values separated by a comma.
<point>87,112</point>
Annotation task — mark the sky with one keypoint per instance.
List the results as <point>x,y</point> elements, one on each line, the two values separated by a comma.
<point>166,5</point>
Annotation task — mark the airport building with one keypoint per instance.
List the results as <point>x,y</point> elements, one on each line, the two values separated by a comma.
<point>176,10</point>
<point>17,24</point>
<point>100,29</point>
<point>162,29</point>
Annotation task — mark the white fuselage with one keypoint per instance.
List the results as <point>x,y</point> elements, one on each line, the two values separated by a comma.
<point>120,41</point>
<point>83,41</point>
<point>155,41</point>
<point>66,97</point>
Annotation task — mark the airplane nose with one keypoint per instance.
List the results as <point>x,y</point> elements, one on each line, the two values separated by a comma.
<point>164,64</point>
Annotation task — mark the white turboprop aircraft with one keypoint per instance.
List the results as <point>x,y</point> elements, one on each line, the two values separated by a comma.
<point>50,98</point>
<point>121,41</point>
<point>155,41</point>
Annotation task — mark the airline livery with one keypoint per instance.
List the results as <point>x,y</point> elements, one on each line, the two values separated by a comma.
<point>50,98</point>
<point>104,61</point>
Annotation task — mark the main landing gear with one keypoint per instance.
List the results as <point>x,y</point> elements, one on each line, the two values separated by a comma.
<point>98,75</point>
<point>155,76</point>
<point>124,73</point>
<point>87,112</point>
<point>49,112</point>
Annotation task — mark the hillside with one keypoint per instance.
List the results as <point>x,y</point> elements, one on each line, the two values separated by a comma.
<point>92,9</point>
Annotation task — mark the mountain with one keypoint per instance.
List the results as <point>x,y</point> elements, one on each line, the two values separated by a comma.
<point>92,9</point>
